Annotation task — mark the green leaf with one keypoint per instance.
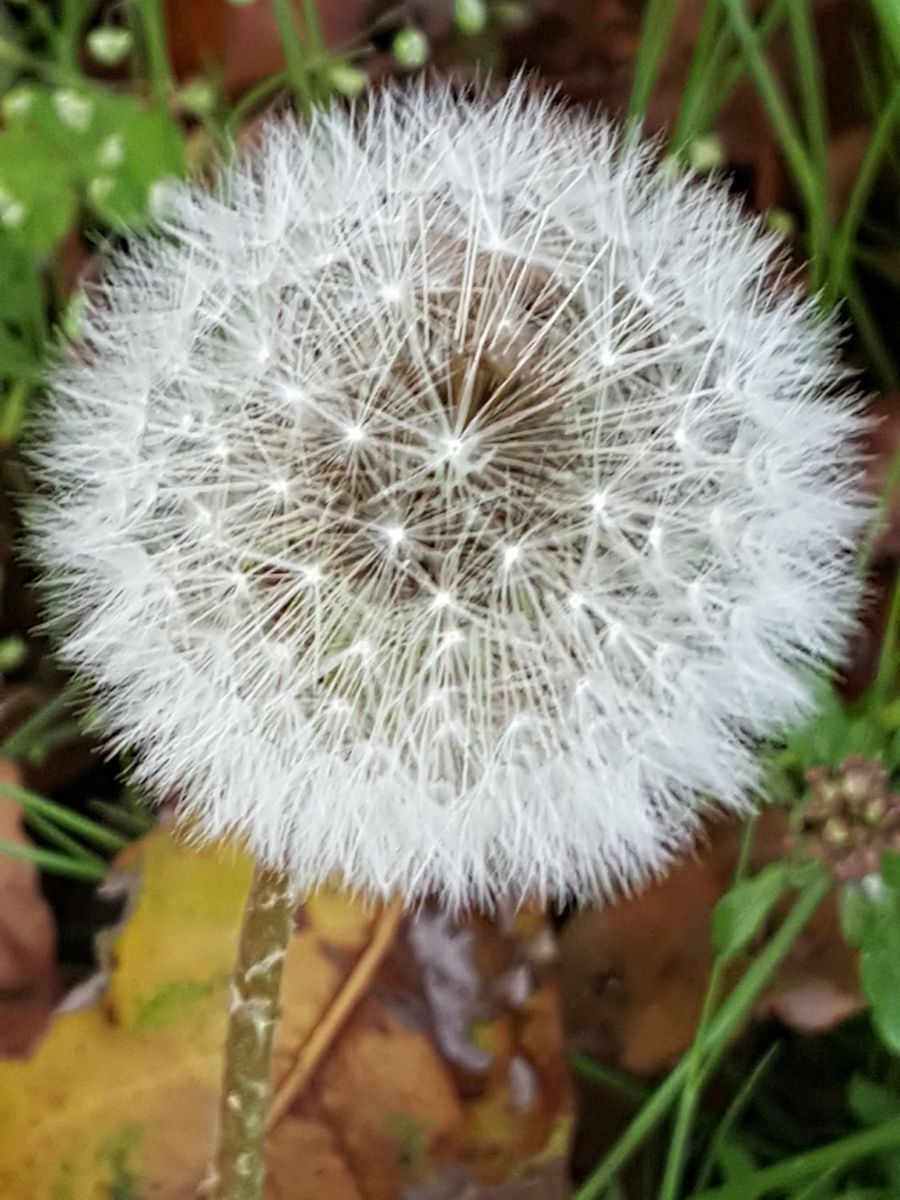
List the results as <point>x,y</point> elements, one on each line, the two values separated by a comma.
<point>879,967</point>
<point>37,203</point>
<point>21,295</point>
<point>856,912</point>
<point>742,910</point>
<point>112,148</point>
<point>870,1102</point>
<point>890,870</point>
<point>16,360</point>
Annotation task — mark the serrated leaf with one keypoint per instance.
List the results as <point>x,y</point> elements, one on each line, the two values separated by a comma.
<point>741,912</point>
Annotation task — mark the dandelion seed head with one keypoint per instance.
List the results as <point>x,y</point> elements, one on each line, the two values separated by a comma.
<point>479,494</point>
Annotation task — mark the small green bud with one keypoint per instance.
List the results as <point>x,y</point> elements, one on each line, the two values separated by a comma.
<point>109,44</point>
<point>411,47</point>
<point>780,221</point>
<point>347,80</point>
<point>470,16</point>
<point>706,153</point>
<point>198,98</point>
<point>12,653</point>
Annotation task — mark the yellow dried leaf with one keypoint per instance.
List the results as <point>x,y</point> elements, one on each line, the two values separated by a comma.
<point>123,1095</point>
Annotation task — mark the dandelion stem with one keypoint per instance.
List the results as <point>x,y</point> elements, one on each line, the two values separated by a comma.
<point>239,1168</point>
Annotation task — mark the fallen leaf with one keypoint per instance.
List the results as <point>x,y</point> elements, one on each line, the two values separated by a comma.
<point>125,1091</point>
<point>29,982</point>
<point>634,974</point>
<point>382,1087</point>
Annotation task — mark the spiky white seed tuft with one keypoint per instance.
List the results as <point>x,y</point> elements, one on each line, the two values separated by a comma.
<point>448,501</point>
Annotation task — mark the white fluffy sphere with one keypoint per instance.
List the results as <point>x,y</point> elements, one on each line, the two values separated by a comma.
<point>448,501</point>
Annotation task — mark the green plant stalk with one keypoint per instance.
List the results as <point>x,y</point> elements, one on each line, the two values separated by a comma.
<point>887,659</point>
<point>38,66</point>
<point>294,55</point>
<point>879,356</point>
<point>765,27</point>
<point>707,53</point>
<point>608,1077</point>
<point>49,860</point>
<point>809,79</point>
<point>845,236</point>
<point>732,1012</point>
<point>239,1167</point>
<point>153,36</point>
<point>734,1110</point>
<point>878,520</point>
<point>690,123</point>
<point>64,817</point>
<point>656,27</point>
<point>251,98</point>
<point>697,1067</point>
<point>792,147</point>
<point>786,1175</point>
<point>21,738</point>
<point>62,841</point>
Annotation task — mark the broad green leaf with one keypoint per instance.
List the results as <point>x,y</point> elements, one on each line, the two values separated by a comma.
<point>21,296</point>
<point>37,203</point>
<point>871,1102</point>
<point>880,973</point>
<point>742,910</point>
<point>114,149</point>
<point>890,870</point>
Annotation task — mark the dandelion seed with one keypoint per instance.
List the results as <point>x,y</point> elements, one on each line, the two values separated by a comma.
<point>612,448</point>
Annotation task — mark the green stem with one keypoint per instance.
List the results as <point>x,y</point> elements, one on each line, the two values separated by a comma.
<point>239,1169</point>
<point>707,52</point>
<point>845,237</point>
<point>732,1114</point>
<point>733,1011</point>
<point>698,1067</point>
<point>809,79</point>
<point>659,17</point>
<point>795,153</point>
<point>887,661</point>
<point>294,55</point>
<point>62,841</point>
<point>878,355</point>
<point>60,815</point>
<point>153,36</point>
<point>605,1076</point>
<point>49,860</point>
<point>40,67</point>
<point>21,738</point>
<point>785,1175</point>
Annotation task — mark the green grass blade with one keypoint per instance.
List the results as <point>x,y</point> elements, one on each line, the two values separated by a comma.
<point>49,860</point>
<point>845,236</point>
<point>62,841</point>
<point>656,28</point>
<point>65,817</point>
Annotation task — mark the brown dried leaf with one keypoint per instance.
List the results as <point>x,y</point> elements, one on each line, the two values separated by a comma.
<point>29,983</point>
<point>413,1054</point>
<point>634,974</point>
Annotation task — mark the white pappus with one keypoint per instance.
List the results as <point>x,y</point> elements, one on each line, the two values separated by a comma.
<point>448,500</point>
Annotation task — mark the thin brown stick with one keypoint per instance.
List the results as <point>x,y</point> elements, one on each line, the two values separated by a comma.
<point>349,994</point>
<point>239,1167</point>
